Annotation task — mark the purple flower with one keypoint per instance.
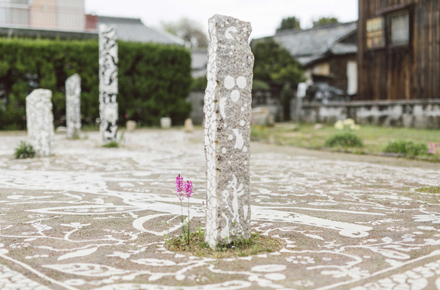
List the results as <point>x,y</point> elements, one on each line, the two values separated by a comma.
<point>179,187</point>
<point>433,149</point>
<point>188,189</point>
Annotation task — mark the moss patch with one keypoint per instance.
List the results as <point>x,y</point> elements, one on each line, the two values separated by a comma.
<point>257,244</point>
<point>112,144</point>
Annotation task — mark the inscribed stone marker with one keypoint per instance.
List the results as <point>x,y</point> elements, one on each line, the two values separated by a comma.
<point>39,119</point>
<point>108,82</point>
<point>227,109</point>
<point>73,106</point>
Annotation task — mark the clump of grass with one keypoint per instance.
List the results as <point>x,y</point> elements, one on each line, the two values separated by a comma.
<point>112,144</point>
<point>24,150</point>
<point>256,244</point>
<point>115,144</point>
<point>408,148</point>
<point>428,189</point>
<point>346,140</point>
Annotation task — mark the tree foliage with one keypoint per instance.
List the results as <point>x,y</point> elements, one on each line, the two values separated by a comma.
<point>154,80</point>
<point>189,30</point>
<point>289,23</point>
<point>325,21</point>
<point>275,64</point>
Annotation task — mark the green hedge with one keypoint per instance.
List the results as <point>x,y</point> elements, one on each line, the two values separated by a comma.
<point>154,80</point>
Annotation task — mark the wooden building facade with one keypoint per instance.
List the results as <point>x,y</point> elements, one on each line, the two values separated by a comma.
<point>399,50</point>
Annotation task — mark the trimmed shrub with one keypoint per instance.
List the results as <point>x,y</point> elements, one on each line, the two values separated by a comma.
<point>406,147</point>
<point>154,79</point>
<point>344,140</point>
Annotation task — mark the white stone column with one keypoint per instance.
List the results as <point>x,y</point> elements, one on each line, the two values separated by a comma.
<point>108,82</point>
<point>73,106</point>
<point>39,119</point>
<point>227,109</point>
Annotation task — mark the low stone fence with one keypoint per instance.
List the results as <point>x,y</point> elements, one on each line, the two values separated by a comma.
<point>402,113</point>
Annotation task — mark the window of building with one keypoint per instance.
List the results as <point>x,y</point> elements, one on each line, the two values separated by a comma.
<point>399,24</point>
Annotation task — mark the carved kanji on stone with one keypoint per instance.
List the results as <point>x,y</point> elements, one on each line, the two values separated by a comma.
<point>108,82</point>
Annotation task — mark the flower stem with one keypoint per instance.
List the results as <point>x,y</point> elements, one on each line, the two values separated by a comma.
<point>189,223</point>
<point>181,217</point>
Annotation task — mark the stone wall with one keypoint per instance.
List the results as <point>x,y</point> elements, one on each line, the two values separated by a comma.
<point>411,113</point>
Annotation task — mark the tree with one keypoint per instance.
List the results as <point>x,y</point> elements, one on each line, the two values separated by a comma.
<point>190,31</point>
<point>275,64</point>
<point>289,23</point>
<point>325,21</point>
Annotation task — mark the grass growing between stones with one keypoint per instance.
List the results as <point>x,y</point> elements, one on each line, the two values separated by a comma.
<point>112,144</point>
<point>257,244</point>
<point>24,150</point>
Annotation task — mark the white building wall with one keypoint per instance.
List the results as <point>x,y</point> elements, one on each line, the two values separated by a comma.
<point>71,15</point>
<point>352,77</point>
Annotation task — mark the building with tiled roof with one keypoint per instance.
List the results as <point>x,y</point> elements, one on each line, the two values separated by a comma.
<point>327,53</point>
<point>132,29</point>
<point>66,19</point>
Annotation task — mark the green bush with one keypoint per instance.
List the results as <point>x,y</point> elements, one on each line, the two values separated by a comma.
<point>344,140</point>
<point>406,147</point>
<point>154,79</point>
<point>24,150</point>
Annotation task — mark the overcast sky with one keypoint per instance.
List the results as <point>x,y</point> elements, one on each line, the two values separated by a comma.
<point>265,15</point>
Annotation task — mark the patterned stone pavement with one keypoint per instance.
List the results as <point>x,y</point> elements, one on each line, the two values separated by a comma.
<point>91,218</point>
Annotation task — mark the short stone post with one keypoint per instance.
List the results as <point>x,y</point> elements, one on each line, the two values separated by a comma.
<point>39,119</point>
<point>227,109</point>
<point>108,82</point>
<point>73,106</point>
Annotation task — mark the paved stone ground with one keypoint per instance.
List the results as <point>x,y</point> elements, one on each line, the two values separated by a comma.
<point>91,218</point>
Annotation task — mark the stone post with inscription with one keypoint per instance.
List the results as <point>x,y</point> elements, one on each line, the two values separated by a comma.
<point>227,109</point>
<point>73,106</point>
<point>108,82</point>
<point>39,118</point>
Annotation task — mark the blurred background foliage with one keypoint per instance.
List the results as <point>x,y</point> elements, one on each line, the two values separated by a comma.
<point>154,79</point>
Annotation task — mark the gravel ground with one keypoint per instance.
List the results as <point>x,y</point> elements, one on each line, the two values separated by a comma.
<point>92,218</point>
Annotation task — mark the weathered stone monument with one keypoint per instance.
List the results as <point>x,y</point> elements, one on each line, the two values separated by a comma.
<point>108,82</point>
<point>227,109</point>
<point>73,106</point>
<point>39,119</point>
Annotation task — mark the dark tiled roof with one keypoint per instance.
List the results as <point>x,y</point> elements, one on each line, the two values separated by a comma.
<point>312,44</point>
<point>315,40</point>
<point>132,29</point>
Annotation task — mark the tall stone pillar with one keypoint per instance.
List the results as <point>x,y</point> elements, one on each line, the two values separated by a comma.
<point>227,109</point>
<point>39,119</point>
<point>73,106</point>
<point>108,82</point>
